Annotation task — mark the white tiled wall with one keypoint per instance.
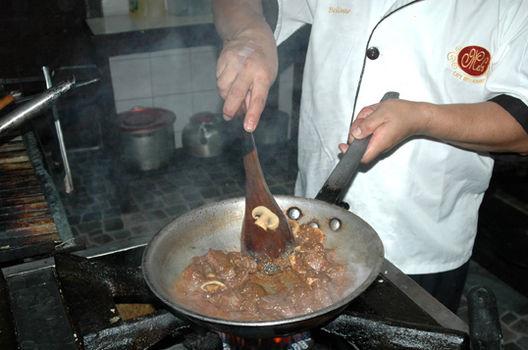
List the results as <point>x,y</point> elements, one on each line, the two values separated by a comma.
<point>114,7</point>
<point>180,80</point>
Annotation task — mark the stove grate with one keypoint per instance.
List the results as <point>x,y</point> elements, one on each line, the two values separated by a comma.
<point>27,227</point>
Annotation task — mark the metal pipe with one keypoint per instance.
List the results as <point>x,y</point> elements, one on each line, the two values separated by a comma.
<point>18,116</point>
<point>68,181</point>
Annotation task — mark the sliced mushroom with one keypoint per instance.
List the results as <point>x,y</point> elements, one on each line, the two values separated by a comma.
<point>212,286</point>
<point>265,218</point>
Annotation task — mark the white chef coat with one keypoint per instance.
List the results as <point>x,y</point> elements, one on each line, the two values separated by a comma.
<point>423,197</point>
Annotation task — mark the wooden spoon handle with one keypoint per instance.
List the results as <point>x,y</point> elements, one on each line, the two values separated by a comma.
<point>261,243</point>
<point>256,186</point>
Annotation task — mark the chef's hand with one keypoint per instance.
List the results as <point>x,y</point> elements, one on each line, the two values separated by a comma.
<point>389,122</point>
<point>245,71</point>
<point>482,126</point>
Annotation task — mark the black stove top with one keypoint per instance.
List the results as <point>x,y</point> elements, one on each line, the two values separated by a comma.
<point>79,301</point>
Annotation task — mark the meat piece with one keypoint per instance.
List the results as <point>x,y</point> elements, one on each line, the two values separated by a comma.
<point>234,286</point>
<point>252,290</point>
<point>221,264</point>
<point>317,260</point>
<point>230,300</point>
<point>276,306</point>
<point>307,233</point>
<point>244,262</point>
<point>321,298</point>
<point>238,279</point>
<point>193,276</point>
<point>303,299</point>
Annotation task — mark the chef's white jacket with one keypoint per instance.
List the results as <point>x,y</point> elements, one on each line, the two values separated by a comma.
<point>423,197</point>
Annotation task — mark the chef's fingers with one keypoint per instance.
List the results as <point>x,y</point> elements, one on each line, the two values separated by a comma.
<point>356,132</point>
<point>255,103</point>
<point>367,157</point>
<point>343,147</point>
<point>235,98</point>
<point>221,65</point>
<point>389,124</point>
<point>225,81</point>
<point>384,130</point>
<point>234,55</point>
<point>360,129</point>
<point>228,70</point>
<point>372,120</point>
<point>235,76</point>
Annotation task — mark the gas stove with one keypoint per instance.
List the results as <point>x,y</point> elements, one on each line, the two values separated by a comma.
<point>97,299</point>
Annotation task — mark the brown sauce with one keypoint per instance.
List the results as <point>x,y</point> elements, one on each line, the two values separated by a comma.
<point>234,286</point>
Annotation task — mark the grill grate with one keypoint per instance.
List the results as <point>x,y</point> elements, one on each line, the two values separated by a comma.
<point>27,227</point>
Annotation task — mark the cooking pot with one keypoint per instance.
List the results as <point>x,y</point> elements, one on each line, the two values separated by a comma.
<point>204,136</point>
<point>219,225</point>
<point>147,137</point>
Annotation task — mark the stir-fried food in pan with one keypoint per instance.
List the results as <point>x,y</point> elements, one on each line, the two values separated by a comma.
<point>234,286</point>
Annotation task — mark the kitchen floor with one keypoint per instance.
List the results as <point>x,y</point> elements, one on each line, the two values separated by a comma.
<point>110,203</point>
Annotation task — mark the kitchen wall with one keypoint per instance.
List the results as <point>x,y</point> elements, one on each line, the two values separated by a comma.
<point>180,80</point>
<point>177,7</point>
<point>114,7</point>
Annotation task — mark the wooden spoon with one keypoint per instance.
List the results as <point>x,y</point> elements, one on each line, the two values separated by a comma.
<point>265,235</point>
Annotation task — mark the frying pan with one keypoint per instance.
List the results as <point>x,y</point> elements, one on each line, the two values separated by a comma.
<point>219,225</point>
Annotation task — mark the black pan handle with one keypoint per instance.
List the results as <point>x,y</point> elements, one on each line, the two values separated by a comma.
<point>341,177</point>
<point>484,324</point>
<point>337,184</point>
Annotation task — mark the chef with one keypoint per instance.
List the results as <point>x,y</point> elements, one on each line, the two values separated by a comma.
<point>461,71</point>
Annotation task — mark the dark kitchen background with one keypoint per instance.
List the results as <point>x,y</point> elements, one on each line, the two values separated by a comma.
<point>143,142</point>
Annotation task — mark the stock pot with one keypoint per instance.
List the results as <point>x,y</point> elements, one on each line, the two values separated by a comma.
<point>147,137</point>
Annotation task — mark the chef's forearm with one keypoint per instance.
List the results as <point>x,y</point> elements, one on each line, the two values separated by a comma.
<point>240,17</point>
<point>482,126</point>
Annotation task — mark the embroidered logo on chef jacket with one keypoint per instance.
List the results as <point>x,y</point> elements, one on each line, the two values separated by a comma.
<point>332,9</point>
<point>470,63</point>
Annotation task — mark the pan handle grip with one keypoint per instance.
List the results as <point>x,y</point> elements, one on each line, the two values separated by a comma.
<point>484,324</point>
<point>341,177</point>
<point>337,184</point>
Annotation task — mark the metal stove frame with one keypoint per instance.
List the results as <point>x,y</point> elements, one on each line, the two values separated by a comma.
<point>41,318</point>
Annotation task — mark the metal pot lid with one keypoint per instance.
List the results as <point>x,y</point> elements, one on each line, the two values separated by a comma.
<point>144,119</point>
<point>203,117</point>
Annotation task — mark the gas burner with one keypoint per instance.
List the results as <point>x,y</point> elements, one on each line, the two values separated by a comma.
<point>95,299</point>
<point>291,342</point>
